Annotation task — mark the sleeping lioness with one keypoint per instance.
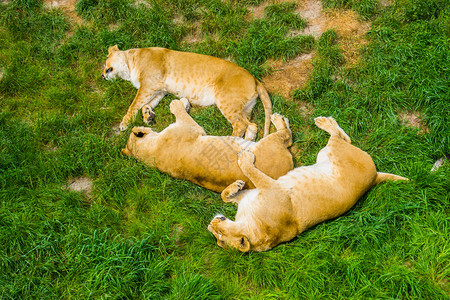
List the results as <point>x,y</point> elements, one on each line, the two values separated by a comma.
<point>203,79</point>
<point>185,151</point>
<point>278,210</point>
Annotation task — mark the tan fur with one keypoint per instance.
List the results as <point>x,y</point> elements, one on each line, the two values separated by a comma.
<point>203,79</point>
<point>185,151</point>
<point>278,210</point>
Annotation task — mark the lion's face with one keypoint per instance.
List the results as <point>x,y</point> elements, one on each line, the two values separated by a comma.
<point>140,141</point>
<point>115,65</point>
<point>131,143</point>
<point>226,237</point>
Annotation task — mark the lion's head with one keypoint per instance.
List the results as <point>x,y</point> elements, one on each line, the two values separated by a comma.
<point>115,65</point>
<point>226,237</point>
<point>136,138</point>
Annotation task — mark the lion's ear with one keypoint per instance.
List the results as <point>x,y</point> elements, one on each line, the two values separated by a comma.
<point>138,134</point>
<point>113,49</point>
<point>244,244</point>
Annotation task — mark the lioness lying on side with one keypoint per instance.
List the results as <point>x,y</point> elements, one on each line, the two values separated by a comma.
<point>203,79</point>
<point>185,151</point>
<point>278,210</point>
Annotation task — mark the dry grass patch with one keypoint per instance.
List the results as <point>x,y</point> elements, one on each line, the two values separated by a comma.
<point>385,3</point>
<point>414,120</point>
<point>350,30</point>
<point>195,34</point>
<point>68,6</point>
<point>291,75</point>
<point>288,76</point>
<point>81,184</point>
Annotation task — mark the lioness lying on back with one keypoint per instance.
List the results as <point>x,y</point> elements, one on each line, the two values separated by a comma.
<point>278,210</point>
<point>185,151</point>
<point>203,79</point>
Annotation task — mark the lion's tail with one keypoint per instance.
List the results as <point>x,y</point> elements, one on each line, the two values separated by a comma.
<point>382,177</point>
<point>265,99</point>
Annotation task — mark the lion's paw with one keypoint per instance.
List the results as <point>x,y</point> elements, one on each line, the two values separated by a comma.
<point>280,122</point>
<point>239,185</point>
<point>176,105</point>
<point>186,103</point>
<point>324,123</point>
<point>215,222</point>
<point>148,115</point>
<point>331,126</point>
<point>232,190</point>
<point>123,126</point>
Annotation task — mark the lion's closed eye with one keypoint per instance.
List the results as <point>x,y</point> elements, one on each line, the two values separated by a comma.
<point>109,70</point>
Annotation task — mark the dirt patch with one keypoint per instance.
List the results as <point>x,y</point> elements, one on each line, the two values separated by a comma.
<point>81,184</point>
<point>385,3</point>
<point>68,6</point>
<point>351,32</point>
<point>288,76</point>
<point>445,284</point>
<point>195,34</point>
<point>291,75</point>
<point>115,130</point>
<point>414,120</point>
<point>257,12</point>
<point>142,2</point>
<point>312,11</point>
<point>177,233</point>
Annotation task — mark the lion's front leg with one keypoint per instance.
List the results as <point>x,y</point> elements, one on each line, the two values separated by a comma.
<point>179,109</point>
<point>233,192</point>
<point>148,114</point>
<point>261,181</point>
<point>139,101</point>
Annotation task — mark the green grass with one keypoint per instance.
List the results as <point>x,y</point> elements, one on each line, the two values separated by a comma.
<point>142,234</point>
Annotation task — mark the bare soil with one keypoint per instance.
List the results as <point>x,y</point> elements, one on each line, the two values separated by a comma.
<point>68,6</point>
<point>291,75</point>
<point>288,76</point>
<point>413,119</point>
<point>81,184</point>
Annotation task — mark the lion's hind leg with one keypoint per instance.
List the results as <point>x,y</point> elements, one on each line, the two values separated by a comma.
<point>331,126</point>
<point>283,135</point>
<point>243,127</point>
<point>279,121</point>
<point>284,132</point>
<point>251,131</point>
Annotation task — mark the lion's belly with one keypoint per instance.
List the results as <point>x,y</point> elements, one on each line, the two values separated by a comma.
<point>197,93</point>
<point>319,172</point>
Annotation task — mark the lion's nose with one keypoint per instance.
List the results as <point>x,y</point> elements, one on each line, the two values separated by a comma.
<point>103,76</point>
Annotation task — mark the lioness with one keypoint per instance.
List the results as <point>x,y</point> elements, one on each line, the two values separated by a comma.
<point>278,210</point>
<point>203,79</point>
<point>185,151</point>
